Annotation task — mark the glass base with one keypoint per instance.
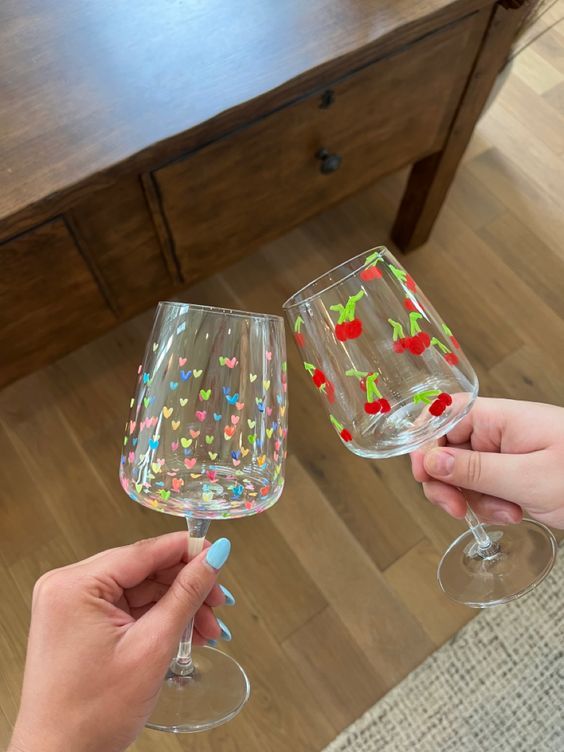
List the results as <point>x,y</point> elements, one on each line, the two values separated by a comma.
<point>213,694</point>
<point>525,555</point>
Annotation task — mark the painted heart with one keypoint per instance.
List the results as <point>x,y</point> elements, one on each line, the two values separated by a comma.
<point>154,443</point>
<point>138,487</point>
<point>165,495</point>
<point>205,394</point>
<point>146,377</point>
<point>236,463</point>
<point>252,377</point>
<point>207,495</point>
<point>277,445</point>
<point>275,456</point>
<point>185,442</point>
<point>209,439</point>
<point>194,434</point>
<point>232,398</point>
<point>197,373</point>
<point>228,431</point>
<point>239,405</point>
<point>155,467</point>
<point>269,411</point>
<point>177,484</point>
<point>284,387</point>
<point>175,425</point>
<point>217,417</point>
<point>249,504</point>
<point>212,475</point>
<point>264,490</point>
<point>132,425</point>
<point>260,406</point>
<point>167,411</point>
<point>231,362</point>
<point>251,423</point>
<point>131,458</point>
<point>185,375</point>
<point>174,445</point>
<point>155,346</point>
<point>275,425</point>
<point>268,355</point>
<point>239,473</point>
<point>261,460</point>
<point>212,455</point>
<point>140,368</point>
<point>152,421</point>
<point>266,384</point>
<point>279,399</point>
<point>134,441</point>
<point>189,463</point>
<point>183,401</point>
<point>132,402</point>
<point>269,432</point>
<point>282,409</point>
<point>182,361</point>
<point>195,475</point>
<point>252,437</point>
<point>173,385</point>
<point>201,415</point>
<point>146,401</point>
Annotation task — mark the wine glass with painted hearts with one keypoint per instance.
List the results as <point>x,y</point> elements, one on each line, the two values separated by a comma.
<point>393,378</point>
<point>205,440</point>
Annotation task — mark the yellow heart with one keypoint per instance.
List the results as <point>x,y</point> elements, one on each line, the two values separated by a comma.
<point>175,425</point>
<point>132,402</point>
<point>167,411</point>
<point>212,455</point>
<point>269,432</point>
<point>244,451</point>
<point>183,401</point>
<point>282,409</point>
<point>185,442</point>
<point>155,467</point>
<point>266,384</point>
<point>195,475</point>
<point>261,460</point>
<point>252,377</point>
<point>207,496</point>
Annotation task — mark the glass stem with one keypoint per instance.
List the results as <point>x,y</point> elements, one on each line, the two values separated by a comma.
<point>485,547</point>
<point>181,664</point>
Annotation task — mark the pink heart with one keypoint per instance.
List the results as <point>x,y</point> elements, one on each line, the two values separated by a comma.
<point>142,425</point>
<point>239,405</point>
<point>177,483</point>
<point>231,363</point>
<point>140,368</point>
<point>277,445</point>
<point>268,355</point>
<point>194,434</point>
<point>269,411</point>
<point>234,419</point>
<point>132,425</point>
<point>212,475</point>
<point>131,457</point>
<point>161,461</point>
<point>152,421</point>
<point>236,462</point>
<point>284,387</point>
<point>190,462</point>
<point>182,361</point>
<point>174,446</point>
<point>201,415</point>
<point>275,456</point>
<point>285,432</point>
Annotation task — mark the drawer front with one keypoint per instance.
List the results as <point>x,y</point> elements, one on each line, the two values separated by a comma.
<point>49,301</point>
<point>248,187</point>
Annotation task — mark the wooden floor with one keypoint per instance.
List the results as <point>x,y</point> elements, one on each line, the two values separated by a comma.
<point>335,586</point>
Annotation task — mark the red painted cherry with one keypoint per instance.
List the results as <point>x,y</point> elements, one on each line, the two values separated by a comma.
<point>455,342</point>
<point>409,305</point>
<point>300,339</point>
<point>372,407</point>
<point>318,377</point>
<point>371,272</point>
<point>399,345</point>
<point>346,435</point>
<point>353,328</point>
<point>437,408</point>
<point>445,398</point>
<point>410,283</point>
<point>341,332</point>
<point>415,346</point>
<point>330,391</point>
<point>451,359</point>
<point>425,339</point>
<point>384,406</point>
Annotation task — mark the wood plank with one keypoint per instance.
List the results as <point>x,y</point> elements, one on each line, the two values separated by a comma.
<point>536,71</point>
<point>394,643</point>
<point>413,578</point>
<point>530,373</point>
<point>336,672</point>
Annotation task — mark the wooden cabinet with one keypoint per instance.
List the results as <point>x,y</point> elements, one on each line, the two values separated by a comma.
<point>50,300</point>
<point>221,201</point>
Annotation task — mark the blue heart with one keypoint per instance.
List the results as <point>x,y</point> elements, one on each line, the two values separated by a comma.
<point>260,406</point>
<point>232,400</point>
<point>174,385</point>
<point>279,399</point>
<point>238,490</point>
<point>135,440</point>
<point>153,443</point>
<point>216,417</point>
<point>235,455</point>
<point>159,483</point>
<point>187,452</point>
<point>122,459</point>
<point>274,426</point>
<point>226,390</point>
<point>185,375</point>
<point>151,400</point>
<point>146,377</point>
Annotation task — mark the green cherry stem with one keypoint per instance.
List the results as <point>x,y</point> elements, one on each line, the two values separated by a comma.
<point>373,259</point>
<point>372,390</point>
<point>310,368</point>
<point>414,327</point>
<point>440,345</point>
<point>298,324</point>
<point>426,397</point>
<point>341,310</point>
<point>353,372</point>
<point>398,273</point>
<point>335,422</point>
<point>398,329</point>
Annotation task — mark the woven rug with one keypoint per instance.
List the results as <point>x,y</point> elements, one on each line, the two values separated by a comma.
<point>498,685</point>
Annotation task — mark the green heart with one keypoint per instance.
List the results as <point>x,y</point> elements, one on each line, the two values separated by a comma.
<point>138,487</point>
<point>183,401</point>
<point>222,360</point>
<point>252,438</point>
<point>185,442</point>
<point>146,401</point>
<point>251,423</point>
<point>209,439</point>
<point>284,366</point>
<point>197,373</point>
<point>205,394</point>
<point>165,495</point>
<point>124,440</point>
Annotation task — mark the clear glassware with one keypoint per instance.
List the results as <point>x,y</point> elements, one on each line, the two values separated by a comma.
<point>205,440</point>
<point>393,378</point>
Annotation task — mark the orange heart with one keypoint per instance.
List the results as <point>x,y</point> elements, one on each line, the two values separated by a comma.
<point>194,434</point>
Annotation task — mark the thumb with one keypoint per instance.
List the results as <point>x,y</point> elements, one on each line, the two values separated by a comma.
<point>168,618</point>
<point>490,473</point>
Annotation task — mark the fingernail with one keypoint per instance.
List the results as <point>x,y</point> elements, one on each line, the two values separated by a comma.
<point>225,633</point>
<point>438,462</point>
<point>212,643</point>
<point>218,553</point>
<point>504,518</point>
<point>229,597</point>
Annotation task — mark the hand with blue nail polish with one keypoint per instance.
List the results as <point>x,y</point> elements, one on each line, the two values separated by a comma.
<point>116,619</point>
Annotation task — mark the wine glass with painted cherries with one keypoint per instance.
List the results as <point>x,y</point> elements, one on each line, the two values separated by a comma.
<point>206,440</point>
<point>393,378</point>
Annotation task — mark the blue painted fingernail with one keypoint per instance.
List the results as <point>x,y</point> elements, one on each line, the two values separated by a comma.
<point>212,643</point>
<point>225,633</point>
<point>218,553</point>
<point>229,597</point>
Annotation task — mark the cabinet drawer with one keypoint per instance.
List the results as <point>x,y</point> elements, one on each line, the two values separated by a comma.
<point>222,200</point>
<point>49,301</point>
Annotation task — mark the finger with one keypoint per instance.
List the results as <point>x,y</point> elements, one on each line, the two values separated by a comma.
<point>494,510</point>
<point>219,595</point>
<point>146,592</point>
<point>447,497</point>
<point>507,476</point>
<point>206,624</point>
<point>168,618</point>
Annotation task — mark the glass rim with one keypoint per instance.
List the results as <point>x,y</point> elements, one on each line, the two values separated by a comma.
<point>293,303</point>
<point>219,310</point>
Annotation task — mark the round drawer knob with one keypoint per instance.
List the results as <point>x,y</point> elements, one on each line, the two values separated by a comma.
<point>329,162</point>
